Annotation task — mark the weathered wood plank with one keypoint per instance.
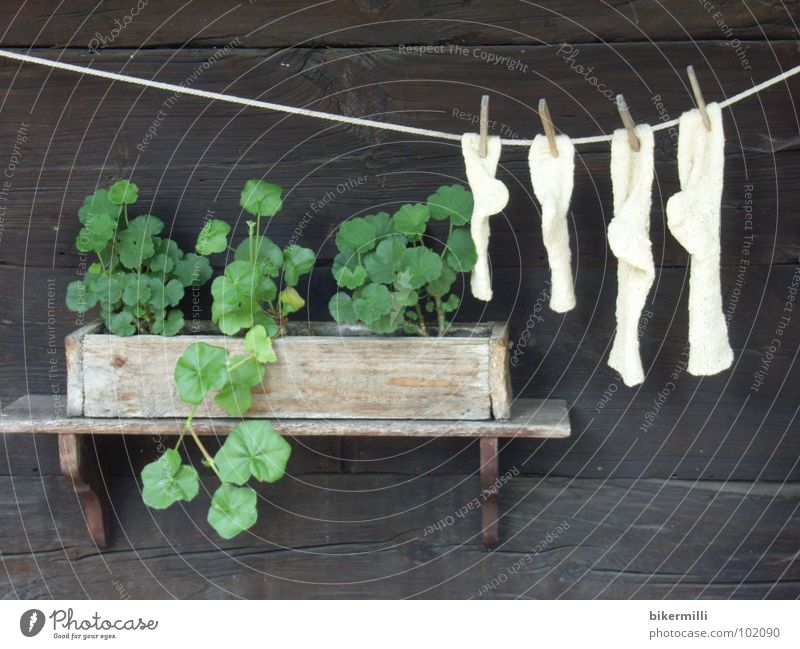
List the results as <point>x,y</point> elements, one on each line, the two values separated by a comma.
<point>383,536</point>
<point>348,22</point>
<point>531,418</point>
<point>499,373</point>
<point>317,376</point>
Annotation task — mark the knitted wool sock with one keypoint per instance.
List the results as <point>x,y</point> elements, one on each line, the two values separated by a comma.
<point>629,238</point>
<point>693,217</point>
<point>552,180</point>
<point>490,196</point>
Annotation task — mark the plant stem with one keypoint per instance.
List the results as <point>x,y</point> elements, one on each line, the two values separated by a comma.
<point>183,428</point>
<point>413,325</point>
<point>449,232</point>
<point>423,329</point>
<point>125,212</point>
<point>437,299</point>
<point>206,454</point>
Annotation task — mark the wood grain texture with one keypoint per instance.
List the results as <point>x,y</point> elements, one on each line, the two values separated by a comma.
<point>377,22</point>
<point>315,376</point>
<point>531,418</point>
<point>696,506</point>
<point>499,372</point>
<point>81,468</point>
<point>365,536</point>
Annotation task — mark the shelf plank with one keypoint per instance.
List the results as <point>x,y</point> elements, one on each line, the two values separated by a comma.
<point>530,418</point>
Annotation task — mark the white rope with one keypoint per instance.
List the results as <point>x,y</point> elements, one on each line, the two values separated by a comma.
<point>332,117</point>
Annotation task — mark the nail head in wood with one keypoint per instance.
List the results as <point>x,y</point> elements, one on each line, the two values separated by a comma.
<point>698,96</point>
<point>484,125</point>
<point>627,120</point>
<point>547,124</point>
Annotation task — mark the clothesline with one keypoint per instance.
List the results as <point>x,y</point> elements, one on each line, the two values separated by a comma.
<point>358,121</point>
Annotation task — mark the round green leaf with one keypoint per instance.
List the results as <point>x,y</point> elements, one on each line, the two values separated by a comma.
<point>169,325</point>
<point>460,251</point>
<point>382,264</point>
<point>443,283</point>
<point>452,202</point>
<point>350,278</point>
<point>108,288</point>
<point>200,368</point>
<point>411,220</point>
<point>297,261</point>
<point>79,298</point>
<point>98,206</point>
<point>213,237</point>
<point>341,309</point>
<point>386,324</point>
<point>137,289</point>
<point>382,223</point>
<point>121,324</point>
<point>258,344</point>
<point>167,255</point>
<point>99,218</point>
<point>373,301</point>
<point>253,448</point>
<point>234,398</point>
<point>233,510</point>
<point>167,481</point>
<point>135,247</point>
<point>265,253</point>
<point>356,235</point>
<point>246,370</point>
<point>246,280</point>
<point>96,235</point>
<point>192,270</point>
<point>123,192</point>
<point>423,264</point>
<point>148,224</point>
<point>261,198</point>
<point>232,317</point>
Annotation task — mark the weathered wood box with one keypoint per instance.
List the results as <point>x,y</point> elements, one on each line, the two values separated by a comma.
<point>324,370</point>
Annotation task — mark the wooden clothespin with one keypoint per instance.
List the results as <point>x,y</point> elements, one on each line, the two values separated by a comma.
<point>484,125</point>
<point>698,96</point>
<point>627,120</point>
<point>547,123</point>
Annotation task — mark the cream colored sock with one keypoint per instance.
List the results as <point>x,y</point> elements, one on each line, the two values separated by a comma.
<point>552,180</point>
<point>693,217</point>
<point>629,239</point>
<point>490,197</point>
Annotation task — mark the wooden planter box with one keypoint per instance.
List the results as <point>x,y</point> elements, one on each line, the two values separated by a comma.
<point>324,370</point>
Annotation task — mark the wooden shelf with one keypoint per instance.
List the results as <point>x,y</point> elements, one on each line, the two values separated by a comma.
<point>530,418</point>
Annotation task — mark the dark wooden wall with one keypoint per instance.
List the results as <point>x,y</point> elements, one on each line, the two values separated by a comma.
<point>702,502</point>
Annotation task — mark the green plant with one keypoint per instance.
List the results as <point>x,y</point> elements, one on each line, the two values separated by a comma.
<point>253,449</point>
<point>395,270</point>
<point>245,297</point>
<point>139,277</point>
<point>248,292</point>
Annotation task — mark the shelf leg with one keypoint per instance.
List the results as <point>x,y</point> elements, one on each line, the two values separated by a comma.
<point>490,512</point>
<point>79,466</point>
